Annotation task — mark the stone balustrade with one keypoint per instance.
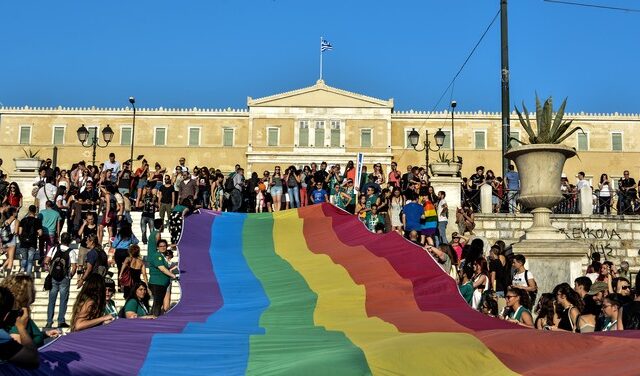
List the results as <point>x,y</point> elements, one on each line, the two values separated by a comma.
<point>616,238</point>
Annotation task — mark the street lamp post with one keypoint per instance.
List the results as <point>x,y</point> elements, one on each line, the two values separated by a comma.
<point>414,138</point>
<point>132,100</point>
<point>453,143</point>
<point>93,142</point>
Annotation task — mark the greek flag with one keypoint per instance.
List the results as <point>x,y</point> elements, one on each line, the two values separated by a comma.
<point>325,46</point>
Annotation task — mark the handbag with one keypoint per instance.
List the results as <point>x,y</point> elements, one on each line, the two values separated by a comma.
<point>48,282</point>
<point>125,277</point>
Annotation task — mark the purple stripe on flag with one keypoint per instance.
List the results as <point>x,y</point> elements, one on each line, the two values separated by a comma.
<point>121,347</point>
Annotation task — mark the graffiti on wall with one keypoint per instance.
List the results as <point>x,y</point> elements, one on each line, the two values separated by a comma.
<point>599,240</point>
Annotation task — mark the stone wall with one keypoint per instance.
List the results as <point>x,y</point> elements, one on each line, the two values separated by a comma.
<point>616,238</point>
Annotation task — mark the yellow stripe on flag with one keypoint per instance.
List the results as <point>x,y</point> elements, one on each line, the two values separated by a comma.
<point>341,307</point>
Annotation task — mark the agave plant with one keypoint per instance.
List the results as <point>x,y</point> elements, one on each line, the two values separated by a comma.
<point>550,130</point>
<point>443,158</point>
<point>30,153</point>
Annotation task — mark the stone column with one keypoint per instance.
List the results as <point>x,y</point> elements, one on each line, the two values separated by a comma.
<point>553,261</point>
<point>451,185</point>
<point>486,207</point>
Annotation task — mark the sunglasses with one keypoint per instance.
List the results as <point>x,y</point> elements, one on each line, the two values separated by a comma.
<point>625,287</point>
<point>510,296</point>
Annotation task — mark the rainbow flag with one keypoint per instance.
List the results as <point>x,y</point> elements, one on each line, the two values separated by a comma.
<point>430,224</point>
<point>312,292</point>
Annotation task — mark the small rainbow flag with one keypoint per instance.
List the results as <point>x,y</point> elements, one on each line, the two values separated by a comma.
<point>430,224</point>
<point>312,292</point>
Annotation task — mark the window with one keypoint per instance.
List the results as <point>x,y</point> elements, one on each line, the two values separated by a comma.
<point>335,134</point>
<point>194,136</point>
<point>227,137</point>
<point>58,135</point>
<point>583,141</point>
<point>125,136</point>
<point>365,138</point>
<point>25,135</point>
<point>616,141</point>
<point>319,134</point>
<point>447,140</point>
<point>480,139</point>
<point>93,132</point>
<point>303,134</point>
<point>160,137</point>
<point>514,135</point>
<point>273,135</point>
<point>407,142</point>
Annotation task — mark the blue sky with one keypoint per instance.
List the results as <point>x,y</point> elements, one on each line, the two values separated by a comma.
<point>215,53</point>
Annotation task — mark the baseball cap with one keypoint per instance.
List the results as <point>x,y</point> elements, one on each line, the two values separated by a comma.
<point>598,287</point>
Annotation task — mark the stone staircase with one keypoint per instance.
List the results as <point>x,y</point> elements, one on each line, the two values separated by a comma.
<point>39,307</point>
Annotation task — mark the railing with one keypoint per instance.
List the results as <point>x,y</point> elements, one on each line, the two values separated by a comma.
<point>618,203</point>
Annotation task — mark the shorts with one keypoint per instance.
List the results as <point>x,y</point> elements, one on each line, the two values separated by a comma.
<point>142,183</point>
<point>82,255</point>
<point>158,185</point>
<point>276,191</point>
<point>12,243</point>
<point>112,217</point>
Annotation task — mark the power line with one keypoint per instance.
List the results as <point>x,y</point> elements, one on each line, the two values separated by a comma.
<point>452,83</point>
<point>592,6</point>
<point>466,60</point>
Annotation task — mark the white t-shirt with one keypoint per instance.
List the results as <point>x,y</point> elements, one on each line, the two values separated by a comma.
<point>46,193</point>
<point>582,184</point>
<point>73,253</point>
<point>442,214</point>
<point>114,167</point>
<point>519,280</point>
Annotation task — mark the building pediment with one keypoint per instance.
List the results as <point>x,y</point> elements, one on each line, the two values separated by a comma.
<point>320,95</point>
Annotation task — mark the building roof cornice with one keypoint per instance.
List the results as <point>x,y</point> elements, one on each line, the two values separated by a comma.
<point>320,85</point>
<point>119,111</point>
<point>413,114</point>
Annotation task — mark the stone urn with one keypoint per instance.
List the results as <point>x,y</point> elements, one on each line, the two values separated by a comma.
<point>444,168</point>
<point>540,168</point>
<point>27,164</point>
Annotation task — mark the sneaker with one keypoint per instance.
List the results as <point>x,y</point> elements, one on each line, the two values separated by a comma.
<point>48,325</point>
<point>63,325</point>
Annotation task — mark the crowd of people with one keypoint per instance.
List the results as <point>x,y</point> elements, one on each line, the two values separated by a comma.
<point>499,285</point>
<point>608,195</point>
<point>63,234</point>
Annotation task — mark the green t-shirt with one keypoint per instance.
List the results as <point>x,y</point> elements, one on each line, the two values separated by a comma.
<point>50,220</point>
<point>152,245</point>
<point>371,221</point>
<point>371,200</point>
<point>110,309</point>
<point>179,208</point>
<point>34,332</point>
<point>156,277</point>
<point>133,305</point>
<point>467,291</point>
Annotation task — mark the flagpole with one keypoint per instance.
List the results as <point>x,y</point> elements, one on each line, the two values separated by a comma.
<point>321,58</point>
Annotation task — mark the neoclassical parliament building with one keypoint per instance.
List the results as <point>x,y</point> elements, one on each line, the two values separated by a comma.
<point>312,124</point>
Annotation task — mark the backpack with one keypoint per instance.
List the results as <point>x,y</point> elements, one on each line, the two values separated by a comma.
<point>30,236</point>
<point>102,264</point>
<point>532,294</point>
<point>6,234</point>
<point>228,184</point>
<point>59,267</point>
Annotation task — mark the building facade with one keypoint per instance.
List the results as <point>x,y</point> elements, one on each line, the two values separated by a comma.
<point>313,124</point>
